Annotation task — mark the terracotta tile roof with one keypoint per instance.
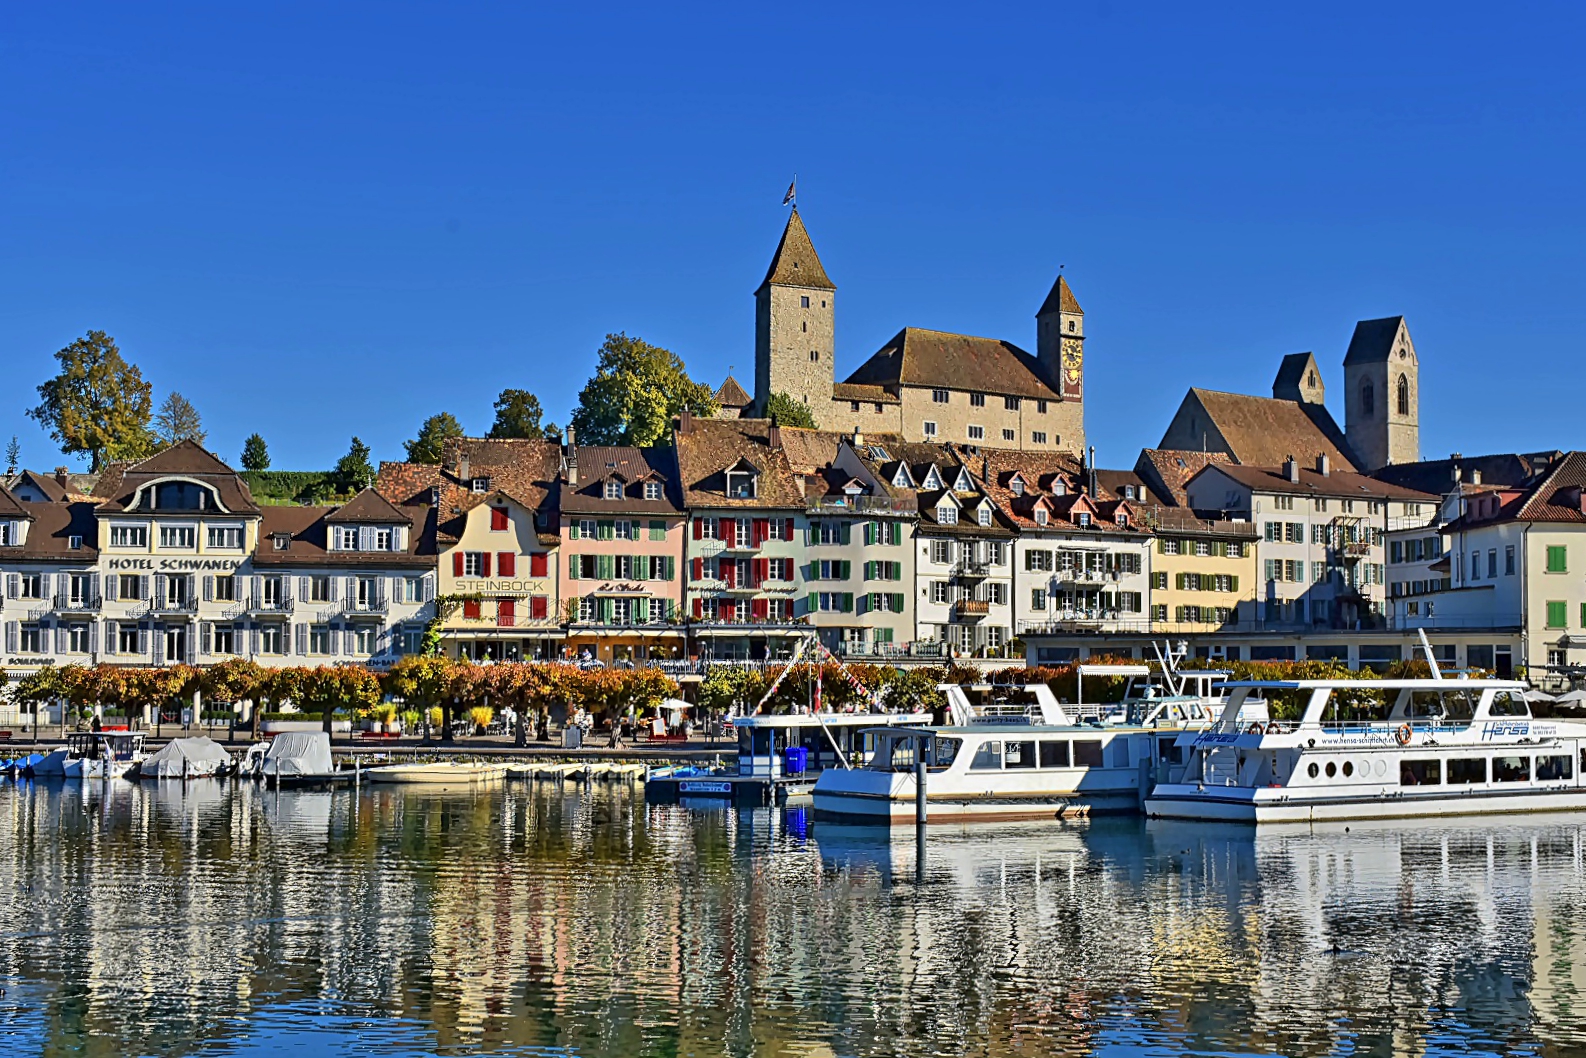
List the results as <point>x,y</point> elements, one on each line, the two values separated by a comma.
<point>795,262</point>
<point>1060,299</point>
<point>732,395</point>
<point>1372,341</point>
<point>1262,431</point>
<point>526,471</point>
<point>864,393</point>
<point>1168,470</point>
<point>368,508</point>
<point>120,482</point>
<point>310,530</point>
<point>1055,478</point>
<point>49,535</point>
<point>711,446</point>
<point>632,467</point>
<point>1555,497</point>
<point>1184,521</point>
<point>1126,485</point>
<point>936,359</point>
<point>882,455</point>
<point>1341,484</point>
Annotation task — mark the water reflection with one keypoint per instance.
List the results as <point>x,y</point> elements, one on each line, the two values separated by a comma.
<point>169,919</point>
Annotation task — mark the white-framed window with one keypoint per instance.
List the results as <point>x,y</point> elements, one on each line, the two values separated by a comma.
<point>77,637</point>
<point>613,490</point>
<point>929,429</point>
<point>129,536</point>
<point>996,592</point>
<point>1038,599</point>
<point>74,543</point>
<point>588,528</point>
<point>32,640</point>
<point>625,530</point>
<point>1082,519</point>
<point>344,538</point>
<point>319,588</point>
<point>319,639</point>
<point>827,532</point>
<point>1038,437</point>
<point>363,639</point>
<point>947,515</point>
<point>479,485</point>
<point>412,589</point>
<point>272,639</point>
<point>941,591</point>
<point>473,563</point>
<point>1040,516</point>
<point>983,516</point>
<point>941,552</point>
<point>1008,435</point>
<point>652,490</point>
<point>226,537</point>
<point>977,433</point>
<point>829,601</point>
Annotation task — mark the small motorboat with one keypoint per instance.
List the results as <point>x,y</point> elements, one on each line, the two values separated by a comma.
<point>443,773</point>
<point>186,758</point>
<point>300,758</point>
<point>93,755</point>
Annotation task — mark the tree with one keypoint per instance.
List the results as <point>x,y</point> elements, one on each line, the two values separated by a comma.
<point>255,456</point>
<point>178,420</point>
<point>518,414</point>
<point>13,454</point>
<point>789,412</point>
<point>636,390</point>
<point>98,405</point>
<point>353,470</point>
<point>437,429</point>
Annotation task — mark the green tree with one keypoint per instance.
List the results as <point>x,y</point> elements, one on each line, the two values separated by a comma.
<point>98,404</point>
<point>255,456</point>
<point>426,448</point>
<point>354,471</point>
<point>13,454</point>
<point>177,420</point>
<point>788,411</point>
<point>636,390</point>
<point>518,414</point>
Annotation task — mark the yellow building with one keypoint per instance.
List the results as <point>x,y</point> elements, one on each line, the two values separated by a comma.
<point>1203,571</point>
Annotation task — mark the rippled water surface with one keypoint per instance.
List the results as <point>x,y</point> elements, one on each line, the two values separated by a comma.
<point>563,920</point>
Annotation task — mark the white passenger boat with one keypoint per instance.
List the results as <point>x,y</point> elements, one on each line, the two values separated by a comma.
<point>93,755</point>
<point>439,773</point>
<point>1017,756</point>
<point>1369,749</point>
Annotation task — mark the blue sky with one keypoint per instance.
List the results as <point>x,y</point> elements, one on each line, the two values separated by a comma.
<point>322,220</point>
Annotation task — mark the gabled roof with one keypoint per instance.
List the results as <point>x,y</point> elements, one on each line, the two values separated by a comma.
<point>1262,431</point>
<point>1372,342</point>
<point>368,508</point>
<point>1183,520</point>
<point>937,359</point>
<point>1168,470</point>
<point>1438,475</point>
<point>1053,477</point>
<point>183,457</point>
<point>732,395</point>
<point>710,447</point>
<point>309,529</point>
<point>1060,299</point>
<point>795,263</point>
<point>10,508</point>
<point>1340,484</point>
<point>53,526</point>
<point>47,485</point>
<point>525,469</point>
<point>1557,496</point>
<point>120,482</point>
<point>631,467</point>
<point>864,393</point>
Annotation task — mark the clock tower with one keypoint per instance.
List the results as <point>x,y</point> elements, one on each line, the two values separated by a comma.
<point>1060,350</point>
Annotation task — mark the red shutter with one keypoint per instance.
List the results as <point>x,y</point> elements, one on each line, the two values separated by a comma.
<point>537,564</point>
<point>507,563</point>
<point>699,528</point>
<point>457,563</point>
<point>484,563</point>
<point>506,613</point>
<point>498,519</point>
<point>699,568</point>
<point>471,609</point>
<point>537,607</point>
<point>762,571</point>
<point>762,530</point>
<point>699,604</point>
<point>729,574</point>
<point>787,530</point>
<point>729,610</point>
<point>757,608</point>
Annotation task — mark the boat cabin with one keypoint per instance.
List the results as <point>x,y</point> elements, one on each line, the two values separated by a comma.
<point>817,740</point>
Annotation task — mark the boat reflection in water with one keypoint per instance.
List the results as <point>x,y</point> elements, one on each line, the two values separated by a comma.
<point>515,919</point>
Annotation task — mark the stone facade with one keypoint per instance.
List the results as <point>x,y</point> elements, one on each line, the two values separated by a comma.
<point>1382,392</point>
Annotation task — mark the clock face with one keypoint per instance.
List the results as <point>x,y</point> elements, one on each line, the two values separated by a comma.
<point>1073,361</point>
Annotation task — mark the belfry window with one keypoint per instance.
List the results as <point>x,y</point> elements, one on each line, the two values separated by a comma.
<point>1403,395</point>
<point>1368,399</point>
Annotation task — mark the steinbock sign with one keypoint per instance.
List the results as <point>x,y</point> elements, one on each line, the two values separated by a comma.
<point>486,587</point>
<point>177,565</point>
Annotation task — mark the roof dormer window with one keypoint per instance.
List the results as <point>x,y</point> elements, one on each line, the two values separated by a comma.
<point>743,480</point>
<point>281,541</point>
<point>984,515</point>
<point>1016,486</point>
<point>947,515</point>
<point>1040,516</point>
<point>1060,487</point>
<point>479,484</point>
<point>1121,518</point>
<point>652,490</point>
<point>1082,519</point>
<point>613,490</point>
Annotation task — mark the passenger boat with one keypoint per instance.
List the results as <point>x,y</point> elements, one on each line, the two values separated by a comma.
<point>441,773</point>
<point>93,755</point>
<point>1375,749</point>
<point>1018,755</point>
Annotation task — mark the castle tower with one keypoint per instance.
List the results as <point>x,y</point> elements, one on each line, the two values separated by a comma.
<point>1060,351</point>
<point>794,336</point>
<point>1299,380</point>
<point>1382,391</point>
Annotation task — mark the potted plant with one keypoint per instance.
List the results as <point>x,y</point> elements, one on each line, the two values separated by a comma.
<point>481,716</point>
<point>385,718</point>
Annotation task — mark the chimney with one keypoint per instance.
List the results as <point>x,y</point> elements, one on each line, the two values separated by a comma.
<point>1456,471</point>
<point>570,439</point>
<point>63,475</point>
<point>1092,480</point>
<point>463,468</point>
<point>1322,466</point>
<point>1475,477</point>
<point>985,468</point>
<point>572,465</point>
<point>859,438</point>
<point>685,420</point>
<point>773,436</point>
<point>1291,470</point>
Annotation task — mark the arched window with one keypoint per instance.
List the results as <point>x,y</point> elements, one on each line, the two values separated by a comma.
<point>1368,399</point>
<point>1404,395</point>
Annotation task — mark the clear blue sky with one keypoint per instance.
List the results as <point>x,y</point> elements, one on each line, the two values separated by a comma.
<point>320,220</point>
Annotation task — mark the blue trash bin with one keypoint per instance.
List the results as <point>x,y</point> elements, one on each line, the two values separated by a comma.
<point>794,760</point>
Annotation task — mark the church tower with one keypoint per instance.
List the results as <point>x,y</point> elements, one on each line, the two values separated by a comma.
<point>794,336</point>
<point>1060,351</point>
<point>1382,392</point>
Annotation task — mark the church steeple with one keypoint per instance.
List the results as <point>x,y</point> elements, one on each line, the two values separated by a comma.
<point>1060,341</point>
<point>794,333</point>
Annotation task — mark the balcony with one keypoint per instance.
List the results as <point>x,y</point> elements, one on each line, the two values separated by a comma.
<point>169,604</point>
<point>1087,576</point>
<point>861,505</point>
<point>261,604</point>
<point>925,649</point>
<point>84,603</point>
<point>967,569</point>
<point>371,606</point>
<point>971,608</point>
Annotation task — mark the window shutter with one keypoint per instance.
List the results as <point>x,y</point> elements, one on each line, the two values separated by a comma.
<point>699,533</point>
<point>757,609</point>
<point>300,633</point>
<point>457,563</point>
<point>698,569</point>
<point>787,530</point>
<point>206,638</point>
<point>143,639</point>
<point>365,538</point>
<point>848,602</point>
<point>1233,583</point>
<point>253,637</point>
<point>537,607</point>
<point>699,604</point>
<point>507,564</point>
<point>209,590</point>
<point>352,641</point>
<point>286,589</point>
<point>845,569</point>
<point>537,564</point>
<point>506,613</point>
<point>572,529</point>
<point>870,534</point>
<point>844,531</point>
<point>897,602</point>
<point>143,586</point>
<point>93,637</point>
<point>606,529</point>
<point>572,567</point>
<point>809,603</point>
<point>669,569</point>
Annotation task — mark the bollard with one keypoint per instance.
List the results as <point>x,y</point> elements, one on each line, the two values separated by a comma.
<point>920,807</point>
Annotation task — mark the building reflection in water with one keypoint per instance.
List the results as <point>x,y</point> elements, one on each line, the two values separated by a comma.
<point>168,919</point>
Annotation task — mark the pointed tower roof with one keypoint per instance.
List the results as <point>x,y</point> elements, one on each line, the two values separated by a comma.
<point>1061,299</point>
<point>732,395</point>
<point>795,263</point>
<point>1372,342</point>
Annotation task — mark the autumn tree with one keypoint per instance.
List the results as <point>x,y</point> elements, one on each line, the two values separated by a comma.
<point>255,456</point>
<point>354,471</point>
<point>98,405</point>
<point>177,420</point>
<point>788,411</point>
<point>518,414</point>
<point>636,390</point>
<point>433,435</point>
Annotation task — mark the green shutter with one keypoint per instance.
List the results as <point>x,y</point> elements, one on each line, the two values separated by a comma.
<point>657,530</point>
<point>894,533</point>
<point>847,569</point>
<point>671,569</point>
<point>606,611</point>
<point>605,566</point>
<point>1557,559</point>
<point>897,605</point>
<point>843,532</point>
<point>1178,581</point>
<point>883,635</point>
<point>870,534</point>
<point>809,603</point>
<point>572,567</point>
<point>607,529</point>
<point>1233,583</point>
<point>1557,613</point>
<point>572,529</point>
<point>897,571</point>
<point>848,602</point>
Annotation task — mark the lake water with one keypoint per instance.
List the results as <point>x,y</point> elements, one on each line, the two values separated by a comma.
<point>548,919</point>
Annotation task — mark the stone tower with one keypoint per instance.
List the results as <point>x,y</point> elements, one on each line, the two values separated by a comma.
<point>794,337</point>
<point>1382,391</point>
<point>1060,351</point>
<point>1300,380</point>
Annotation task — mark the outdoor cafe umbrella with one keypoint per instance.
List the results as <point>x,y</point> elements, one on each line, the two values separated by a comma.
<point>1534,696</point>
<point>1573,699</point>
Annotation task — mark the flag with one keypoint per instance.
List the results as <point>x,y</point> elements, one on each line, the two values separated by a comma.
<point>792,193</point>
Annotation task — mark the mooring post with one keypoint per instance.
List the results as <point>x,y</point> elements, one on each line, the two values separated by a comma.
<point>920,808</point>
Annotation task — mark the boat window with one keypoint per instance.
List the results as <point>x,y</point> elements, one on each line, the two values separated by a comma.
<point>988,757</point>
<point>1511,769</point>
<point>1349,768</point>
<point>902,755</point>
<point>1313,771</point>
<point>1332,769</point>
<point>1467,769</point>
<point>1120,753</point>
<point>1055,754</point>
<point>1168,751</point>
<point>1420,772</point>
<point>1442,705</point>
<point>1018,755</point>
<point>1506,704</point>
<point>944,751</point>
<point>1087,753</point>
<point>1554,767</point>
